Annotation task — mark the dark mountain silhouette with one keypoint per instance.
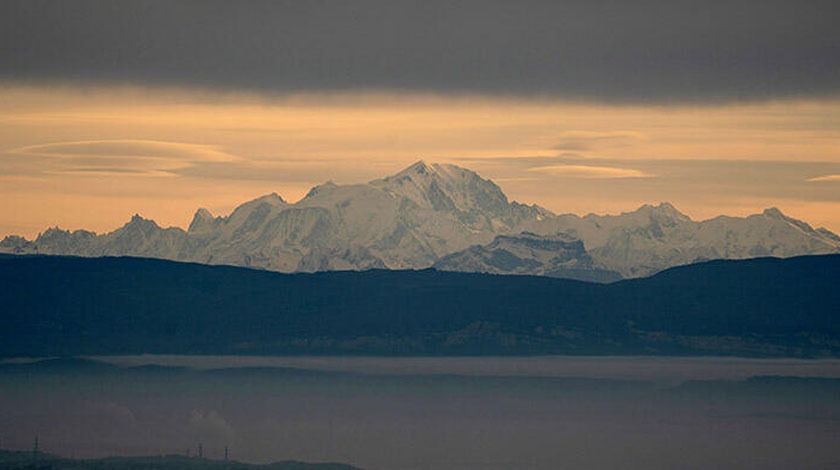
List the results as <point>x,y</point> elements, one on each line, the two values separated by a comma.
<point>54,306</point>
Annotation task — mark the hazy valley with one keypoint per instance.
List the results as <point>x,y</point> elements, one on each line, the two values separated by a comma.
<point>420,413</point>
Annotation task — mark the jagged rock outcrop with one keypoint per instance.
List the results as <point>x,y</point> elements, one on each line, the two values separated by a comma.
<point>559,255</point>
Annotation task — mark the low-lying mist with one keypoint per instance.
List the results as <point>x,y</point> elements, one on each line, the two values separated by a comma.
<point>432,413</point>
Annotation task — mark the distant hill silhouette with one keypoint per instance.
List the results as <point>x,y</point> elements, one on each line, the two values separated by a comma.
<point>57,306</point>
<point>17,460</point>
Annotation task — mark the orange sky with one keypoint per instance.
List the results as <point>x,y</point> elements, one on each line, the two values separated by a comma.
<point>89,157</point>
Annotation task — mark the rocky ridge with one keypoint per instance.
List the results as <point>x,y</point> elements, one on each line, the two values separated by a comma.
<point>443,216</point>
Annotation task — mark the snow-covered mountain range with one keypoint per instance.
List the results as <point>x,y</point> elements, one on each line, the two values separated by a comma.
<point>447,217</point>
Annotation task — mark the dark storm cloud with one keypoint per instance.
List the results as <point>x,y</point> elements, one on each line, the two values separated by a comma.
<point>634,51</point>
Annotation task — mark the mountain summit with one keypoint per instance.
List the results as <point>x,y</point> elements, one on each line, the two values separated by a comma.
<point>445,216</point>
<point>446,188</point>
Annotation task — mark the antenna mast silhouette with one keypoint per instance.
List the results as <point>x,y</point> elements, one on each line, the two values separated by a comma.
<point>35,452</point>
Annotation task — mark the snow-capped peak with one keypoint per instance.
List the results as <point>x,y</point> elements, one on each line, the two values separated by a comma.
<point>445,187</point>
<point>427,211</point>
<point>202,220</point>
<point>274,199</point>
<point>139,223</point>
<point>419,167</point>
<point>664,210</point>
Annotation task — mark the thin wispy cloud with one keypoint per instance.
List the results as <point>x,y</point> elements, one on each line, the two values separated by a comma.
<point>825,178</point>
<point>592,140</point>
<point>127,148</point>
<point>121,157</point>
<point>590,172</point>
